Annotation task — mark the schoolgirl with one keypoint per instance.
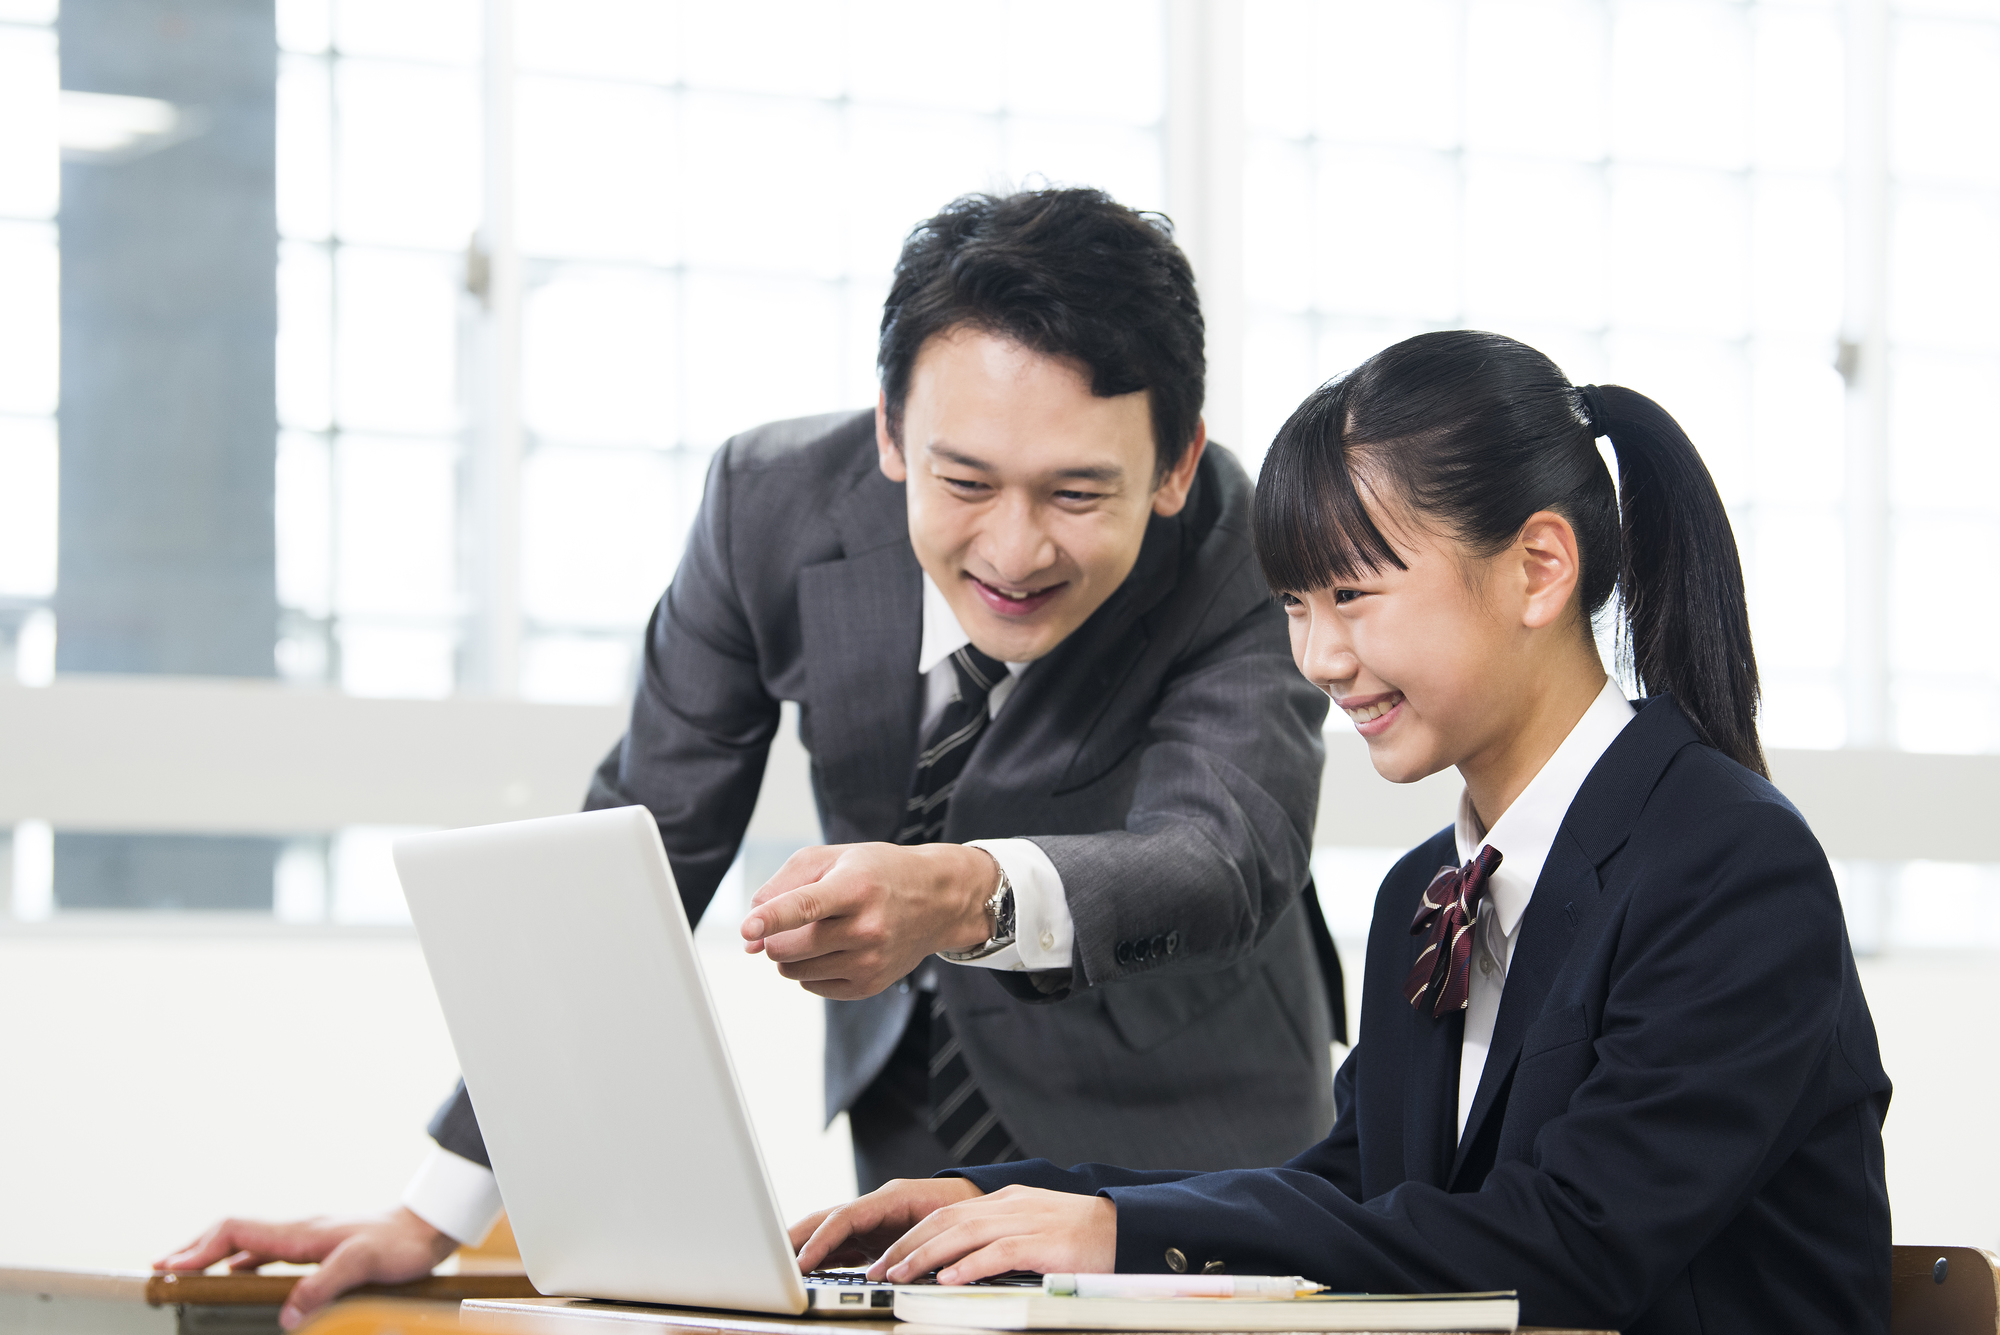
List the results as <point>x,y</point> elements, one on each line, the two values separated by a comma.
<point>1613,1052</point>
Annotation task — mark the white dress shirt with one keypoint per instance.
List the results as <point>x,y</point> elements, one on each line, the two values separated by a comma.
<point>1523,837</point>
<point>1043,928</point>
<point>460,1198</point>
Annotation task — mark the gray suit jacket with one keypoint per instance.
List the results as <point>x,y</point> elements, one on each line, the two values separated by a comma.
<point>1166,757</point>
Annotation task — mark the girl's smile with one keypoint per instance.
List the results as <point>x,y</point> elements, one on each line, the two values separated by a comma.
<point>1373,714</point>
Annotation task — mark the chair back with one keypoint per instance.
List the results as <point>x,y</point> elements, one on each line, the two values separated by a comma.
<point>1944,1291</point>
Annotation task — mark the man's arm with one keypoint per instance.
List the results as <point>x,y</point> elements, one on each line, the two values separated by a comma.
<point>1218,840</point>
<point>1215,850</point>
<point>701,726</point>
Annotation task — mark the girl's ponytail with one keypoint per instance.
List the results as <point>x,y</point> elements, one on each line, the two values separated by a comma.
<point>1686,622</point>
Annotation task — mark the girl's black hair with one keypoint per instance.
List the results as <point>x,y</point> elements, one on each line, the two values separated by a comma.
<point>1476,432</point>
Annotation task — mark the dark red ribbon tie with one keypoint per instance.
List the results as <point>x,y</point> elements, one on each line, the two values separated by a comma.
<point>1450,910</point>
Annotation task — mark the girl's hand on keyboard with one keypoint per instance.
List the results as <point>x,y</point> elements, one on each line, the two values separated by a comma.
<point>1015,1228</point>
<point>861,1230</point>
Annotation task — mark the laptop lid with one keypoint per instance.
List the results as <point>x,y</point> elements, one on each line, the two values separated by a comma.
<point>562,959</point>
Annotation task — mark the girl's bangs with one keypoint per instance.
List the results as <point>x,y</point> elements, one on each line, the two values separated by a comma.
<point>1313,528</point>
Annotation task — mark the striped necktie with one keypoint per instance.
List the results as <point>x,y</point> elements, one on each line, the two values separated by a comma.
<point>949,746</point>
<point>960,1116</point>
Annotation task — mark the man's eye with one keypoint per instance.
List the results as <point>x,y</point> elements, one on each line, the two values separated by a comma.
<point>1289,600</point>
<point>1346,595</point>
<point>1079,495</point>
<point>964,484</point>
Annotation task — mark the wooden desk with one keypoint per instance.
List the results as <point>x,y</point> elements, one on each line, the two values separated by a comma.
<point>139,1302</point>
<point>577,1316</point>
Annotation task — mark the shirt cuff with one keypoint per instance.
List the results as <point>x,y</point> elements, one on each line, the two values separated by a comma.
<point>455,1196</point>
<point>1043,929</point>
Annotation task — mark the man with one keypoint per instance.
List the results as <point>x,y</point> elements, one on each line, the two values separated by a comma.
<point>1067,769</point>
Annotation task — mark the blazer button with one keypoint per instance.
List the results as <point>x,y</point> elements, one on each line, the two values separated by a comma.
<point>1177,1260</point>
<point>1123,954</point>
<point>1140,949</point>
<point>1160,947</point>
<point>1173,943</point>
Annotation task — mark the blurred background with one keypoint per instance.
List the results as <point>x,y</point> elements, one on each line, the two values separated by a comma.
<point>361,360</point>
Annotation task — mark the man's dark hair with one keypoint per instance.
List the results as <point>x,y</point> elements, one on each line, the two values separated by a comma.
<point>1068,273</point>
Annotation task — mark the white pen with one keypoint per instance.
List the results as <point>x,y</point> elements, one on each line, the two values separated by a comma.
<point>1178,1286</point>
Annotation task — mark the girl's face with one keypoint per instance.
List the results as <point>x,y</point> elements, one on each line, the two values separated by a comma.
<point>1437,664</point>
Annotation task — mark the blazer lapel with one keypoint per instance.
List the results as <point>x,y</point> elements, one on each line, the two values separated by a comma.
<point>1598,820</point>
<point>861,618</point>
<point>1566,889</point>
<point>1430,1090</point>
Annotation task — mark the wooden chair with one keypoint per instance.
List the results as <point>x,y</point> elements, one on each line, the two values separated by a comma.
<point>1944,1291</point>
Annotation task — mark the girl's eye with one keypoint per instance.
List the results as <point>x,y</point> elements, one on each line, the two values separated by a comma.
<point>1288,601</point>
<point>1346,595</point>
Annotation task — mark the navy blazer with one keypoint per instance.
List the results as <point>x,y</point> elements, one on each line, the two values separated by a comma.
<point>1679,1127</point>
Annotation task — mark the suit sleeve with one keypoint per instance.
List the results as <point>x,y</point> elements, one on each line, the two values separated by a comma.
<point>1722,1006</point>
<point>693,752</point>
<point>1217,841</point>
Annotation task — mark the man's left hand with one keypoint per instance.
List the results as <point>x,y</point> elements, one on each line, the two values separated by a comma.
<point>847,920</point>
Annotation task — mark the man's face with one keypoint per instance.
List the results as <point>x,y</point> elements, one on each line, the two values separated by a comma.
<point>1028,495</point>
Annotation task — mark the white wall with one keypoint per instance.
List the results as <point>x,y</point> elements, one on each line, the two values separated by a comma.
<point>156,1083</point>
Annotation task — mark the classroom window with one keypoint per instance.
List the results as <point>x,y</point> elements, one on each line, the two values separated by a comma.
<point>1649,192</point>
<point>704,242</point>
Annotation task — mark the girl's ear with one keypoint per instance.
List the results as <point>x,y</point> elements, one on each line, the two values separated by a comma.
<point>1550,569</point>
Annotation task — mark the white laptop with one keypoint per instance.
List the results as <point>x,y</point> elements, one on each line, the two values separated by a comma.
<point>563,961</point>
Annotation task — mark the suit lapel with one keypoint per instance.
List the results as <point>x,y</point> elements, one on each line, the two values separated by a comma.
<point>1568,885</point>
<point>861,618</point>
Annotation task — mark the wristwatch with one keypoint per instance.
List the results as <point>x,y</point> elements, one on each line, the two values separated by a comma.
<point>1000,908</point>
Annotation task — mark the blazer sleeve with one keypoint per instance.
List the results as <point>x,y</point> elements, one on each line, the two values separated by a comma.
<point>1719,1018</point>
<point>1336,1160</point>
<point>1217,840</point>
<point>693,752</point>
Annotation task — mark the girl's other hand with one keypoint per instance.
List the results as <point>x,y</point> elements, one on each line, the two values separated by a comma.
<point>1016,1228</point>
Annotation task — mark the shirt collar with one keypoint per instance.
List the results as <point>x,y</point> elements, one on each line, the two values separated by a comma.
<point>1526,833</point>
<point>943,636</point>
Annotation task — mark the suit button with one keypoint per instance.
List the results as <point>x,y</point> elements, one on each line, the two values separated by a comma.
<point>1123,954</point>
<point>1140,949</point>
<point>1173,943</point>
<point>1212,1268</point>
<point>1177,1260</point>
<point>1159,947</point>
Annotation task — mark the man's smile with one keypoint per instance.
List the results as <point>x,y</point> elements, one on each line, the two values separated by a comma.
<point>1015,601</point>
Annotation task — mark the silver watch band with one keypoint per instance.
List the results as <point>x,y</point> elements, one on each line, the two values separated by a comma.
<point>1000,908</point>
